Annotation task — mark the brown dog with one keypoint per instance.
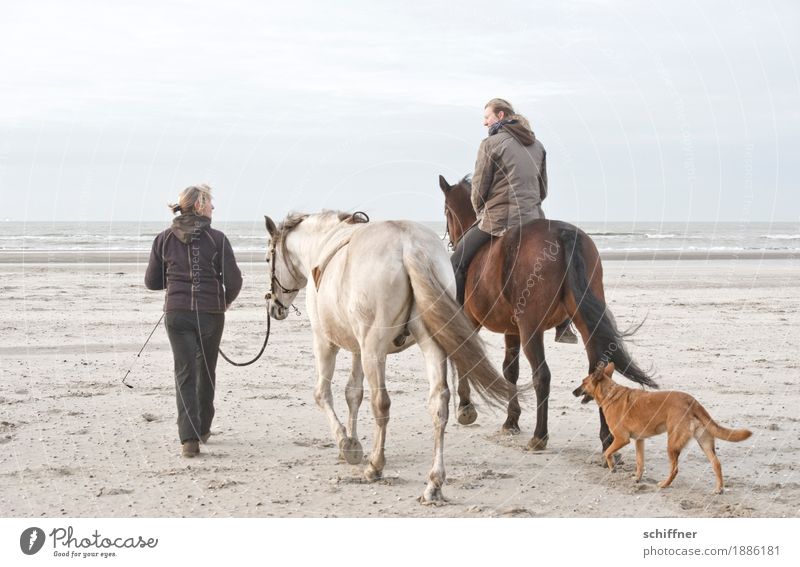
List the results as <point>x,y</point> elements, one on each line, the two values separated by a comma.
<point>636,414</point>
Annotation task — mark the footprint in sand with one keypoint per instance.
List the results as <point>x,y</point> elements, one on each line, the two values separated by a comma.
<point>113,491</point>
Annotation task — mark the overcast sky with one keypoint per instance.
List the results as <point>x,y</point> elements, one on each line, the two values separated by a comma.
<point>677,111</point>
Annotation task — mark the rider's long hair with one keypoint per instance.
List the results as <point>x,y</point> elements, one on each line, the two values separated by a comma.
<point>501,104</point>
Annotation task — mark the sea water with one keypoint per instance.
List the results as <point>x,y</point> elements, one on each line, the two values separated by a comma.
<point>250,236</point>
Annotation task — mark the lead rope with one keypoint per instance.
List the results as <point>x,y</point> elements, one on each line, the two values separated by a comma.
<point>263,347</point>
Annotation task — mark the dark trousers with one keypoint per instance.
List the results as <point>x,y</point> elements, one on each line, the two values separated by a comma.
<point>465,251</point>
<point>195,338</point>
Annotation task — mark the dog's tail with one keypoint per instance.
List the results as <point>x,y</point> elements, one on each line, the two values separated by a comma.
<point>715,429</point>
<point>726,434</point>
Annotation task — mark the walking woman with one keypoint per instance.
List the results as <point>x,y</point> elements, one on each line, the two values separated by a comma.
<point>196,265</point>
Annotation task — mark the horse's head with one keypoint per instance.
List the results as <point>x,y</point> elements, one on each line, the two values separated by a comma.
<point>285,279</point>
<point>457,207</point>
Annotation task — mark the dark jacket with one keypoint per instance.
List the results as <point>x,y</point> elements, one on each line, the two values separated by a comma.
<point>510,179</point>
<point>195,264</point>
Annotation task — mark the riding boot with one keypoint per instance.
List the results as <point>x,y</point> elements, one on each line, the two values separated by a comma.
<point>565,334</point>
<point>461,280</point>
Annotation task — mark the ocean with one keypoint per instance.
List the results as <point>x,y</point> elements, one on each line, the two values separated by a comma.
<point>611,237</point>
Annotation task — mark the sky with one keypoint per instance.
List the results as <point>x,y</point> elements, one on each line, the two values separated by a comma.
<point>649,111</point>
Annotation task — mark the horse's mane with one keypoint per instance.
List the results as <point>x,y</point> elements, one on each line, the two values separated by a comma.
<point>466,180</point>
<point>293,219</point>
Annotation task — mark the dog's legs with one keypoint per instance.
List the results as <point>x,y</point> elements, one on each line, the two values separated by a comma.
<point>621,439</point>
<point>706,442</point>
<point>676,441</point>
<point>639,460</point>
<point>606,438</point>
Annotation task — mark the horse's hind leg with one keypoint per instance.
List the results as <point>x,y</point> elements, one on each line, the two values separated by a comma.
<point>325,356</point>
<point>606,438</point>
<point>438,400</point>
<point>350,449</point>
<point>466,413</point>
<point>511,373</point>
<point>374,365</point>
<point>534,350</point>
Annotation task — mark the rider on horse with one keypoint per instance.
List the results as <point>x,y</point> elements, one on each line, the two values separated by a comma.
<point>508,187</point>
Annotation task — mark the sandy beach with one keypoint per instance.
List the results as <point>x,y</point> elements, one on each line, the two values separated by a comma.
<point>75,442</point>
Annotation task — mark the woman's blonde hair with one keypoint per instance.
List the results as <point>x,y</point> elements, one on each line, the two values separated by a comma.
<point>501,105</point>
<point>192,198</point>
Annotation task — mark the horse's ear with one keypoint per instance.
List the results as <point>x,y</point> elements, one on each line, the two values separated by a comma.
<point>444,184</point>
<point>271,228</point>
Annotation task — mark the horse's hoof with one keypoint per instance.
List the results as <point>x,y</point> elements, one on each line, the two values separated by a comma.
<point>351,451</point>
<point>511,427</point>
<point>467,414</point>
<point>432,497</point>
<point>372,474</point>
<point>537,444</point>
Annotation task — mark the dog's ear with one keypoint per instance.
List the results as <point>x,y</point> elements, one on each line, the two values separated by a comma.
<point>609,369</point>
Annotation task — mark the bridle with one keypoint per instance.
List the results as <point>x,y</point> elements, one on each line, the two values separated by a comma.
<point>273,280</point>
<point>446,235</point>
<point>451,246</point>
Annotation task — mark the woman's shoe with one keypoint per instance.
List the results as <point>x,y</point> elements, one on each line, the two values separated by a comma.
<point>190,448</point>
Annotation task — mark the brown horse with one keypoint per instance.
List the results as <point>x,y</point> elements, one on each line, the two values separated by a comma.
<point>529,280</point>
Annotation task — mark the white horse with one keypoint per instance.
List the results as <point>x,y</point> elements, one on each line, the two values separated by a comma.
<point>375,289</point>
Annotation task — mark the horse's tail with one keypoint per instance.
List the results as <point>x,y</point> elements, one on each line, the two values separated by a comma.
<point>606,340</point>
<point>453,332</point>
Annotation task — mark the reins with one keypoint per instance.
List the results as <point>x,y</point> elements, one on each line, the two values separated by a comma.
<point>263,347</point>
<point>269,295</point>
